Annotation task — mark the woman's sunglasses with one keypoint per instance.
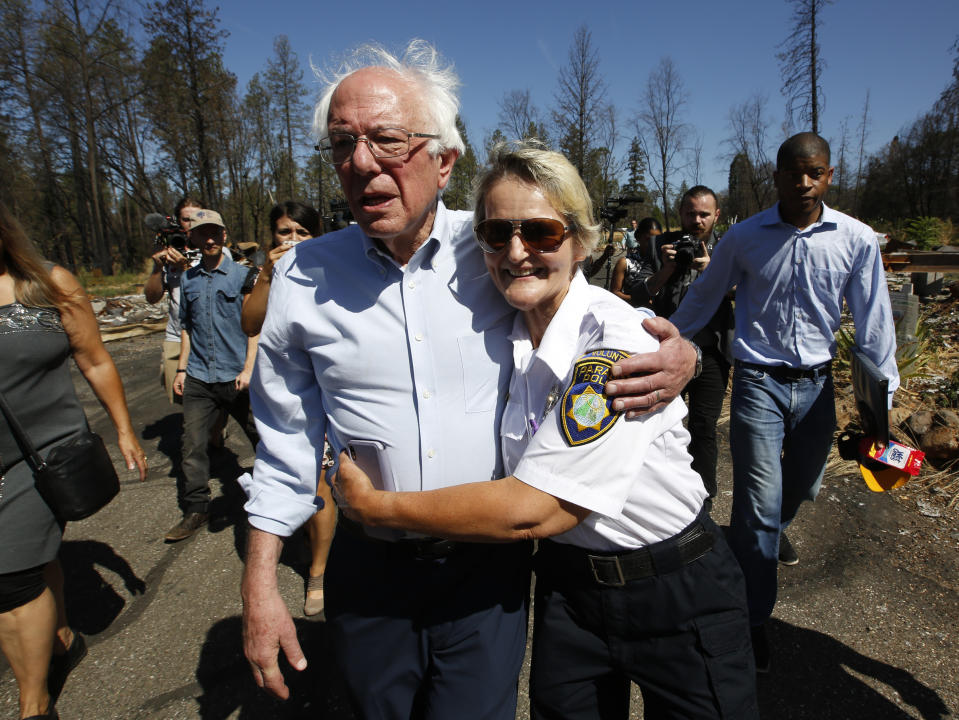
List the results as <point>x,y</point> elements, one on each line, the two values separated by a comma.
<point>542,235</point>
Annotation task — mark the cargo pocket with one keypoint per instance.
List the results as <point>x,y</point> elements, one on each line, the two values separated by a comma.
<point>724,638</point>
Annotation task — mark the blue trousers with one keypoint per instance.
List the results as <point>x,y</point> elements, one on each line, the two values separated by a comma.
<point>428,638</point>
<point>780,433</point>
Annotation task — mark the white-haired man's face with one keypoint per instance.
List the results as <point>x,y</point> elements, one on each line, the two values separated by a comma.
<point>392,199</point>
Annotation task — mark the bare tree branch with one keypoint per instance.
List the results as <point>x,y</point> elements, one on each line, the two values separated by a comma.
<point>801,63</point>
<point>660,127</point>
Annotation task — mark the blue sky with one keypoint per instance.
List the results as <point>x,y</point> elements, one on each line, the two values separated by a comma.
<point>724,51</point>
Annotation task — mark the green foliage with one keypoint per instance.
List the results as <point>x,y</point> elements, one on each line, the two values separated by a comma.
<point>950,394</point>
<point>458,190</point>
<point>844,343</point>
<point>122,283</point>
<point>912,358</point>
<point>915,174</point>
<point>928,232</point>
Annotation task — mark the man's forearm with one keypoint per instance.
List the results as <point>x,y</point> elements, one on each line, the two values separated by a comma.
<point>251,344</point>
<point>184,358</point>
<point>259,568</point>
<point>153,287</point>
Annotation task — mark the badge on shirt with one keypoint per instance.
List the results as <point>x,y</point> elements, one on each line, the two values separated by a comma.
<point>587,412</point>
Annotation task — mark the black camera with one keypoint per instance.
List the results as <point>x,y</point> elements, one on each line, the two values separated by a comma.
<point>168,232</point>
<point>617,207</point>
<point>339,216</point>
<point>687,249</point>
<point>612,213</point>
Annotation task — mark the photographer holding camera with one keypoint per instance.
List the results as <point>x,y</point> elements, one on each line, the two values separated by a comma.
<point>680,258</point>
<point>169,263</point>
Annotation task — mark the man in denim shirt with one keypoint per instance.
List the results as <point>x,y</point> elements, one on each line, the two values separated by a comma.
<point>215,364</point>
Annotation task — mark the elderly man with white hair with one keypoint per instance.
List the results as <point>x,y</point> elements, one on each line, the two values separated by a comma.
<point>390,338</point>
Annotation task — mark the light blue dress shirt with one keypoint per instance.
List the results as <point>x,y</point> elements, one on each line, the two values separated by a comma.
<point>210,309</point>
<point>790,285</point>
<point>360,348</point>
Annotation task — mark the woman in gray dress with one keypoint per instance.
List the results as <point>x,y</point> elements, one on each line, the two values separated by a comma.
<point>45,318</point>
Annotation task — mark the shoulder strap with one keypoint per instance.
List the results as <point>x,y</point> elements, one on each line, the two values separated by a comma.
<point>30,453</point>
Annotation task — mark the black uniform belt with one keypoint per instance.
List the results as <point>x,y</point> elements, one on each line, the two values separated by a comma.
<point>788,374</point>
<point>421,548</point>
<point>617,569</point>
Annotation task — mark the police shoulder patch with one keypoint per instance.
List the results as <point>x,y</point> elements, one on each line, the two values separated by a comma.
<point>587,412</point>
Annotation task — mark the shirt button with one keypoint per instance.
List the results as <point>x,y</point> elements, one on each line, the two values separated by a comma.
<point>427,395</point>
<point>412,284</point>
<point>430,453</point>
<point>418,337</point>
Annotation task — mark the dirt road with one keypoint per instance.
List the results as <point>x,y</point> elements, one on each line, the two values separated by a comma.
<point>866,625</point>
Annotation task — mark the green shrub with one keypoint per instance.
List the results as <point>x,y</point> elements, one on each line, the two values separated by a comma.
<point>928,232</point>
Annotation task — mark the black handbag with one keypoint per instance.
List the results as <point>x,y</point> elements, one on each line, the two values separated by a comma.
<point>76,479</point>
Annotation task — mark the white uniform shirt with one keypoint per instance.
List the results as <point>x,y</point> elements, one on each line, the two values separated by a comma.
<point>636,477</point>
<point>359,348</point>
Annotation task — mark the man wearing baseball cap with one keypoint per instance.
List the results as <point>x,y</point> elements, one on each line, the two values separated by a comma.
<point>215,365</point>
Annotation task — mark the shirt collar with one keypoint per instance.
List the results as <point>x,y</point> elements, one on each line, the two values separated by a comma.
<point>222,267</point>
<point>431,254</point>
<point>561,339</point>
<point>828,217</point>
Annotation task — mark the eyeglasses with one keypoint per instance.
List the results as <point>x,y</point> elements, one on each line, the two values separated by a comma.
<point>386,143</point>
<point>542,235</point>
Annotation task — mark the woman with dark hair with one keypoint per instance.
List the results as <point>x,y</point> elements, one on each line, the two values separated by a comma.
<point>45,318</point>
<point>290,223</point>
<point>628,267</point>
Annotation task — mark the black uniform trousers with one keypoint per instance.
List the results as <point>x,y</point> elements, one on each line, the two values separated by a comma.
<point>682,635</point>
<point>428,637</point>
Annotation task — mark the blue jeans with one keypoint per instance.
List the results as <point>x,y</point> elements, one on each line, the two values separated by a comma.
<point>780,434</point>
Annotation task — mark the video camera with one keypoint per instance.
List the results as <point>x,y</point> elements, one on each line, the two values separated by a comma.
<point>339,217</point>
<point>687,249</point>
<point>168,232</point>
<point>616,207</point>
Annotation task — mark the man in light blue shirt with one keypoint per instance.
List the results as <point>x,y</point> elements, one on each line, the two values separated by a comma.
<point>390,338</point>
<point>792,266</point>
<point>629,237</point>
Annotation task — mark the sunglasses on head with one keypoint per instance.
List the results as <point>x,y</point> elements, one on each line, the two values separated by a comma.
<point>542,235</point>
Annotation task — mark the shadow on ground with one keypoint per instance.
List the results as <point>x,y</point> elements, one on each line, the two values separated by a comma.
<point>92,603</point>
<point>168,432</point>
<point>816,676</point>
<point>225,684</point>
